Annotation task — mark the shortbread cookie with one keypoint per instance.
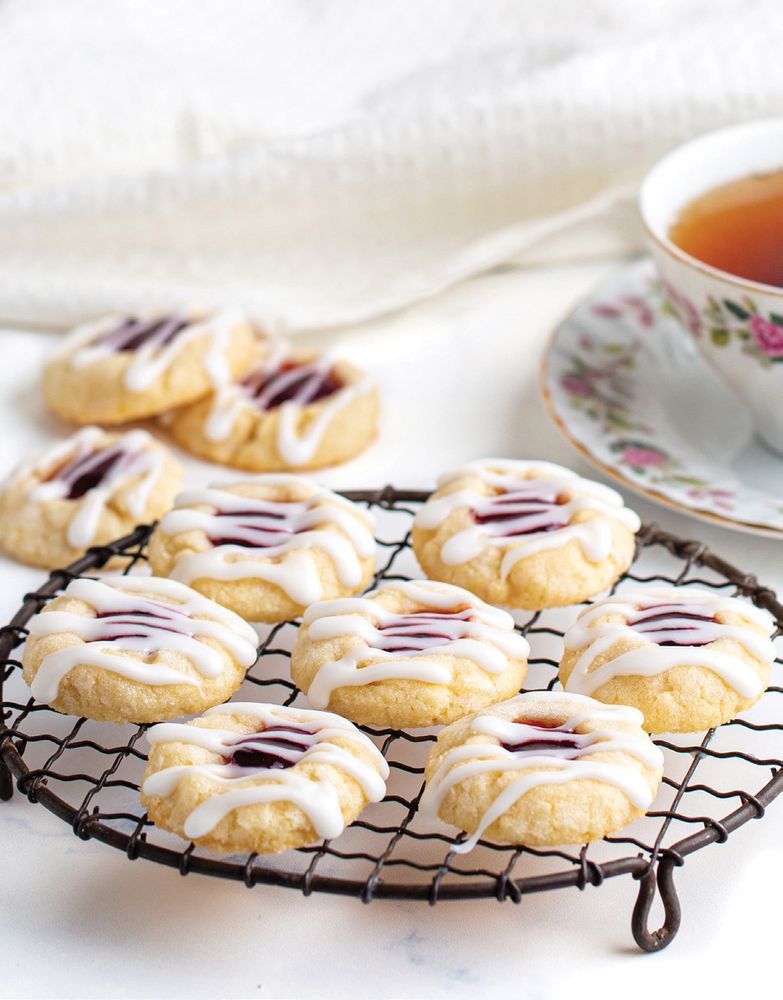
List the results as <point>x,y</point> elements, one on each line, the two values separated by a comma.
<point>88,490</point>
<point>408,654</point>
<point>262,778</point>
<point>524,534</point>
<point>542,769</point>
<point>135,649</point>
<point>120,369</point>
<point>292,410</point>
<point>267,547</point>
<point>687,659</point>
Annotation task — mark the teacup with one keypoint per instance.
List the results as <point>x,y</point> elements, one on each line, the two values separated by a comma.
<point>737,324</point>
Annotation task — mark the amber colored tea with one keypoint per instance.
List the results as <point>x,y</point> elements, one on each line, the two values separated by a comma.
<point>737,227</point>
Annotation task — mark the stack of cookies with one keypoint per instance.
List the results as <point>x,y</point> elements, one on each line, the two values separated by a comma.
<point>221,389</point>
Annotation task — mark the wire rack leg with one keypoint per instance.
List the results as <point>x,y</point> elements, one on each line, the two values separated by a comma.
<point>664,881</point>
<point>6,781</point>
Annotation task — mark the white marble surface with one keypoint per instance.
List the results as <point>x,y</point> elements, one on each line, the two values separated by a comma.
<point>459,376</point>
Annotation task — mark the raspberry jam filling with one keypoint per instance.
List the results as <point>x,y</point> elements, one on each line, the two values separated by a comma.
<point>674,625</point>
<point>560,742</point>
<point>142,624</point>
<point>271,749</point>
<point>291,382</point>
<point>421,630</point>
<point>531,509</point>
<point>132,332</point>
<point>257,528</point>
<point>83,473</point>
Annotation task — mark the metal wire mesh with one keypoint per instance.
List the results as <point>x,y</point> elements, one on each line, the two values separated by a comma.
<point>88,773</point>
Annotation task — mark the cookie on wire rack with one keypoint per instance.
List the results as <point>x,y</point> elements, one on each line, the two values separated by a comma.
<point>412,653</point>
<point>135,649</point>
<point>267,547</point>
<point>247,777</point>
<point>542,769</point>
<point>688,659</point>
<point>524,534</point>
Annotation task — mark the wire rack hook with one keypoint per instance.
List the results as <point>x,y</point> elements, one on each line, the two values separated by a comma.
<point>663,881</point>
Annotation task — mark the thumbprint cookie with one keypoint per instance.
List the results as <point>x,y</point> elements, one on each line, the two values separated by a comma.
<point>542,769</point>
<point>126,368</point>
<point>267,547</point>
<point>292,410</point>
<point>248,777</point>
<point>135,649</point>
<point>409,654</point>
<point>524,534</point>
<point>688,659</point>
<point>88,490</point>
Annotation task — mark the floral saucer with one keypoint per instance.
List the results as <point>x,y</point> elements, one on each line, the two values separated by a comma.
<point>627,386</point>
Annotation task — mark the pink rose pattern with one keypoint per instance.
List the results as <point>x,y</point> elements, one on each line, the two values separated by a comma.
<point>642,457</point>
<point>683,309</point>
<point>768,335</point>
<point>575,385</point>
<point>597,383</point>
<point>727,321</point>
<point>720,499</point>
<point>639,308</point>
<point>594,384</point>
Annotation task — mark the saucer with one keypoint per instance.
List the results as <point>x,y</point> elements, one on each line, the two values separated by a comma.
<point>628,388</point>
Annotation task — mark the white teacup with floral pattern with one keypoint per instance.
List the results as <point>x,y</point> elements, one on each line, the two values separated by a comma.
<point>736,323</point>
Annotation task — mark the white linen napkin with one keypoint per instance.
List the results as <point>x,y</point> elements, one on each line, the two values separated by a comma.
<point>321,161</point>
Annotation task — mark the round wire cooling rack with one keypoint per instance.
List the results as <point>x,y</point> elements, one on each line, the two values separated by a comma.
<point>88,773</point>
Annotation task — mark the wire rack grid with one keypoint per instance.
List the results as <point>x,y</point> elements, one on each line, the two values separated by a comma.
<point>88,773</point>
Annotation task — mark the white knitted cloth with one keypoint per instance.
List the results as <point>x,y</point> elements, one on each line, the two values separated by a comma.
<point>321,161</point>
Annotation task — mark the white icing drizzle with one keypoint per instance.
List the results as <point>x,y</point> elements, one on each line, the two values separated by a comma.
<point>531,510</point>
<point>409,645</point>
<point>296,447</point>
<point>299,446</point>
<point>676,615</point>
<point>268,530</point>
<point>168,622</point>
<point>544,766</point>
<point>313,743</point>
<point>148,361</point>
<point>137,455</point>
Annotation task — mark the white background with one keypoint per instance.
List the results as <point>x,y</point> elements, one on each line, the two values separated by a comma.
<point>459,381</point>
